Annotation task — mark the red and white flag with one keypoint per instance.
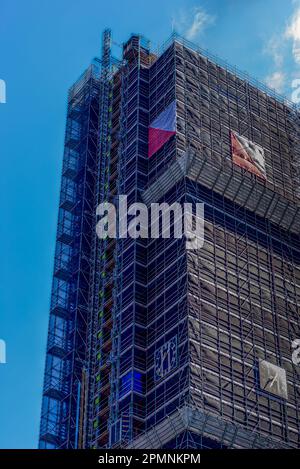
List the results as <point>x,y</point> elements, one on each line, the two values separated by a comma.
<point>162,129</point>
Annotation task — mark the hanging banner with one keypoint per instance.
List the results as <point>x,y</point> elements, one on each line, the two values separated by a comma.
<point>248,155</point>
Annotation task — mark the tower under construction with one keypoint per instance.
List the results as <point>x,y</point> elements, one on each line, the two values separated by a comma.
<point>151,344</point>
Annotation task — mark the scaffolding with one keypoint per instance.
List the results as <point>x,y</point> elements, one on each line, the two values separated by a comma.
<point>102,321</point>
<point>125,419</point>
<point>295,137</point>
<point>116,303</point>
<point>223,177</point>
<point>72,277</point>
<point>196,422</point>
<point>210,102</point>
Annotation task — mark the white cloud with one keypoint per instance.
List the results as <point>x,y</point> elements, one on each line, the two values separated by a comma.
<point>293,32</point>
<point>278,47</point>
<point>191,23</point>
<point>276,80</point>
<point>274,48</point>
<point>200,21</point>
<point>293,29</point>
<point>296,51</point>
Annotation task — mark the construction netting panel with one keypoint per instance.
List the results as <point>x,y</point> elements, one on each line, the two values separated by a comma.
<point>244,294</point>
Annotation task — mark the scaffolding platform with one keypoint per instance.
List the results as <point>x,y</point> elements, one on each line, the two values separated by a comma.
<point>233,183</point>
<point>195,420</point>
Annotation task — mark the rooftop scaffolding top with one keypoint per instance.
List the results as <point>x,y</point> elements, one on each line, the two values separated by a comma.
<point>175,37</point>
<point>214,58</point>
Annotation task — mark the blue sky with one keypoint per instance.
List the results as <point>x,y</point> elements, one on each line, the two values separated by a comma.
<point>44,47</point>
